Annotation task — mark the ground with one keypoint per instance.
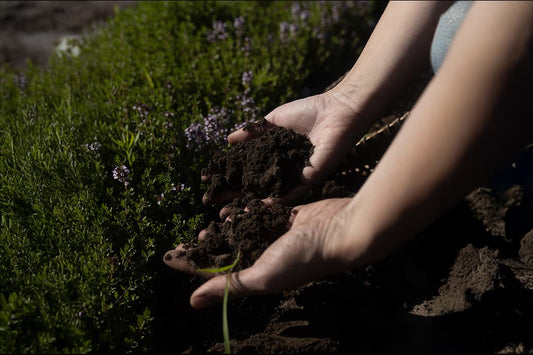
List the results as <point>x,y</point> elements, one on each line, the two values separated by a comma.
<point>463,285</point>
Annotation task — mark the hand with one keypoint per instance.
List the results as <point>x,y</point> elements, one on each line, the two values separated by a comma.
<point>319,243</point>
<point>333,125</point>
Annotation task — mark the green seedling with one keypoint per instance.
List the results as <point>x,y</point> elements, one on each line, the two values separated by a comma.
<point>225,328</point>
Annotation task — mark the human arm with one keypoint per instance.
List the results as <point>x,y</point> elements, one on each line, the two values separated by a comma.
<point>335,120</point>
<point>465,125</point>
<point>472,118</point>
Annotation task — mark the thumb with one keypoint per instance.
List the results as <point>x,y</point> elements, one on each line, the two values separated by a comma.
<point>212,291</point>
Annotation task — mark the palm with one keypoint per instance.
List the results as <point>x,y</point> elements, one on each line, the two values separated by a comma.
<point>308,251</point>
<point>330,124</point>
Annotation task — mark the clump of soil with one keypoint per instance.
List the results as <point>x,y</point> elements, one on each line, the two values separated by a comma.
<point>268,166</point>
<point>249,233</point>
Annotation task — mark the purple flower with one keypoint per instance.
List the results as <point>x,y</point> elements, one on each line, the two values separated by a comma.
<point>248,106</point>
<point>238,25</point>
<point>142,110</point>
<point>239,125</point>
<point>218,33</point>
<point>287,30</point>
<point>22,81</point>
<point>247,78</point>
<point>122,174</point>
<point>247,47</point>
<point>298,12</point>
<point>293,28</point>
<point>94,146</point>
<point>284,31</point>
<point>180,188</point>
<point>195,135</point>
<point>212,131</point>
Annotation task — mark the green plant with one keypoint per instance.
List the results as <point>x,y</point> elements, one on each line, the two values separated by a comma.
<point>98,177</point>
<point>225,326</point>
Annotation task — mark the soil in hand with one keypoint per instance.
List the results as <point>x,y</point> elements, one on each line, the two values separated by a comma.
<point>268,166</point>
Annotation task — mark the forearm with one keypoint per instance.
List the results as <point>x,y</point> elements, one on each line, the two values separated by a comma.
<point>456,136</point>
<point>398,48</point>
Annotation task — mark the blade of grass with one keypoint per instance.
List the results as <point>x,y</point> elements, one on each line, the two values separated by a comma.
<point>225,327</point>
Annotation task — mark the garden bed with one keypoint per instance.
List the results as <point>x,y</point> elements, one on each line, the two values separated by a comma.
<point>463,285</point>
<point>100,175</point>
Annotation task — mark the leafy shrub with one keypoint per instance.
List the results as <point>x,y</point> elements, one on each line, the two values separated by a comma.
<point>100,153</point>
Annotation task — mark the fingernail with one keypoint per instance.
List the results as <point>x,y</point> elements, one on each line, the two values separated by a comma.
<point>202,301</point>
<point>168,256</point>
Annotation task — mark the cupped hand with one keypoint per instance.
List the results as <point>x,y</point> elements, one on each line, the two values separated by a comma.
<point>332,123</point>
<point>319,243</point>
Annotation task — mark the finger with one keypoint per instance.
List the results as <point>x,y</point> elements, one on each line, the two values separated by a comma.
<point>177,260</point>
<point>221,197</point>
<point>249,132</point>
<point>292,197</point>
<point>205,178</point>
<point>202,235</point>
<point>226,211</point>
<point>292,217</point>
<point>212,292</point>
<point>279,267</point>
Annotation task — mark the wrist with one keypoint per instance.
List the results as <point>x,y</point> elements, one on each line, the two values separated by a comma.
<point>349,94</point>
<point>359,239</point>
<point>343,103</point>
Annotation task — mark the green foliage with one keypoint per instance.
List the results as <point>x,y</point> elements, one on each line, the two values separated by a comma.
<point>97,175</point>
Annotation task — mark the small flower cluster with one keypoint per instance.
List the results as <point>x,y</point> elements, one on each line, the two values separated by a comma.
<point>219,32</point>
<point>332,14</point>
<point>93,146</point>
<point>238,26</point>
<point>212,131</point>
<point>214,128</point>
<point>122,174</point>
<point>22,81</point>
<point>337,10</point>
<point>142,110</point>
<point>247,47</point>
<point>161,197</point>
<point>248,106</point>
<point>168,123</point>
<point>247,102</point>
<point>298,12</point>
<point>300,15</point>
<point>247,78</point>
<point>287,31</point>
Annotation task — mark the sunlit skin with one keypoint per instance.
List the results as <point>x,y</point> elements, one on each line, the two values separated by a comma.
<point>473,117</point>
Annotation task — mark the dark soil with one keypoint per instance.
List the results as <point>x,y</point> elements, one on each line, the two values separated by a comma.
<point>462,285</point>
<point>256,169</point>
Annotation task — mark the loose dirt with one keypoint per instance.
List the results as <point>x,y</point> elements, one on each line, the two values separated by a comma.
<point>464,284</point>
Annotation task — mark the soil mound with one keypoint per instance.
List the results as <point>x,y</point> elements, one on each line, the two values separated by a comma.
<point>464,284</point>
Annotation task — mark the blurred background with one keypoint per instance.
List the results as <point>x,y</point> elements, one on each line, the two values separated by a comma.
<point>32,29</point>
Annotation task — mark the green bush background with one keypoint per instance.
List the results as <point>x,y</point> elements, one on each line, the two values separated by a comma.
<point>81,251</point>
